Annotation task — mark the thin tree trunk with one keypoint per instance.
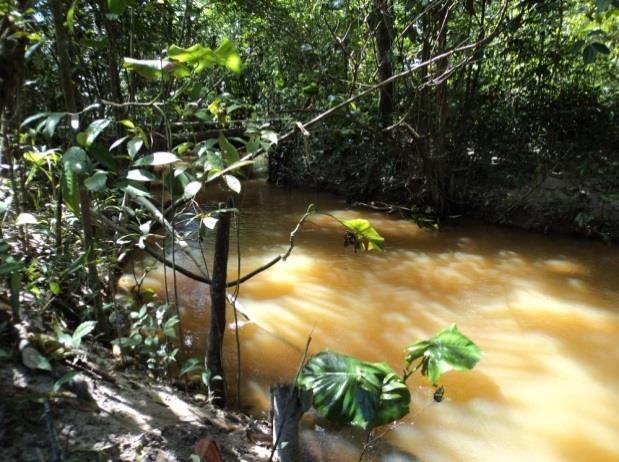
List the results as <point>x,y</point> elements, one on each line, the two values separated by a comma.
<point>217,385</point>
<point>59,12</point>
<point>383,32</point>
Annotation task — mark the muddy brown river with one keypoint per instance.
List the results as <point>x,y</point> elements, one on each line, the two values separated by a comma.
<point>544,311</point>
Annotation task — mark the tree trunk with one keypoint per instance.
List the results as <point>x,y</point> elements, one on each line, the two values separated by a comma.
<point>59,12</point>
<point>382,26</point>
<point>217,386</point>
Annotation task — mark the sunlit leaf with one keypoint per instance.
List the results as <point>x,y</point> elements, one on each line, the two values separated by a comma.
<point>192,189</point>
<point>365,233</point>
<point>149,68</point>
<point>447,350</point>
<point>191,365</point>
<point>95,129</point>
<point>347,390</point>
<point>127,123</point>
<point>51,123</point>
<point>134,145</point>
<point>228,56</point>
<point>233,183</point>
<point>118,142</point>
<point>210,222</point>
<point>33,118</point>
<point>25,219</point>
<point>75,122</point>
<point>140,174</point>
<point>157,158</point>
<point>81,331</point>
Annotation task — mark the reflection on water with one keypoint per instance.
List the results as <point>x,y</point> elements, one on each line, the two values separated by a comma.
<point>545,312</point>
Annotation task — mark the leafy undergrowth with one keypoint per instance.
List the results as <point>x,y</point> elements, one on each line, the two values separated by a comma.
<point>129,418</point>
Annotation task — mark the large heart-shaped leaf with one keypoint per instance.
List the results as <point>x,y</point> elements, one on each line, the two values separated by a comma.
<point>347,390</point>
<point>447,350</point>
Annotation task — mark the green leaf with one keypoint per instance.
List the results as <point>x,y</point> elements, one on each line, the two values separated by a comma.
<point>135,190</point>
<point>228,56</point>
<point>51,123</point>
<point>54,287</point>
<point>168,327</point>
<point>117,7</point>
<point>200,57</point>
<point>95,129</point>
<point>70,23</point>
<point>26,219</point>
<point>10,267</point>
<point>80,138</point>
<point>32,118</point>
<point>127,123</point>
<point>96,182</point>
<point>118,142</point>
<point>233,183</point>
<point>139,174</point>
<point>157,158</point>
<point>149,68</point>
<point>74,160</point>
<point>365,233</point>
<point>99,153</point>
<point>192,189</point>
<point>588,54</point>
<point>76,264</point>
<point>601,48</point>
<point>447,350</point>
<point>38,361</point>
<point>134,145</point>
<point>230,153</point>
<point>191,365</point>
<point>347,390</point>
<point>81,331</point>
<point>64,379</point>
<point>70,189</point>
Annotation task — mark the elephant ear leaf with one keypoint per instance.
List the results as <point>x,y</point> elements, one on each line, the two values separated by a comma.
<point>447,350</point>
<point>347,390</point>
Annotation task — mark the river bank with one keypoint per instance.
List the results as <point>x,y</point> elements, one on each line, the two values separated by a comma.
<point>124,416</point>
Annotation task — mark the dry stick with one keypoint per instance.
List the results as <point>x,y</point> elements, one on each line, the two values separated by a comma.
<point>237,289</point>
<point>291,396</point>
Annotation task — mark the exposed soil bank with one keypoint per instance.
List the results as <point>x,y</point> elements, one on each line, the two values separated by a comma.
<point>129,419</point>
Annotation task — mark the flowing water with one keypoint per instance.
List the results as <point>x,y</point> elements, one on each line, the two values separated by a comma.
<point>544,311</point>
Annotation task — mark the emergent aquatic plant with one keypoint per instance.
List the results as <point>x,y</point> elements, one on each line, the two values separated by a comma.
<point>368,395</point>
